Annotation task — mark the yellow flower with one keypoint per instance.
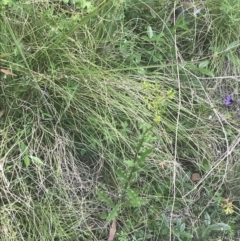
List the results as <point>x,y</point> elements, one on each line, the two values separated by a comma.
<point>227,207</point>
<point>228,210</point>
<point>157,119</point>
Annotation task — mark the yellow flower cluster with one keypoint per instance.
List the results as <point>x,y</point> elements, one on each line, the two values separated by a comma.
<point>157,101</point>
<point>227,207</point>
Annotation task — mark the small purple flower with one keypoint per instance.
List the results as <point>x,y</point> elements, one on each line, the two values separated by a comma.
<point>228,100</point>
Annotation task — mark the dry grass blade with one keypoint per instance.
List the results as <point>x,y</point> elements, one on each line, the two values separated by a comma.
<point>1,113</point>
<point>188,4</point>
<point>5,55</point>
<point>112,230</point>
<point>7,72</point>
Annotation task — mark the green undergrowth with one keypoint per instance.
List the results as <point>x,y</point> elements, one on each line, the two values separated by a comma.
<point>107,110</point>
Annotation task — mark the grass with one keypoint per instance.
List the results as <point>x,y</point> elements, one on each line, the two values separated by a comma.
<point>113,106</point>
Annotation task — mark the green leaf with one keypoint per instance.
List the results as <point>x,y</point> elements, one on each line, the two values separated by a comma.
<point>88,5</point>
<point>104,198</point>
<point>157,58</point>
<point>233,45</point>
<point>153,13</point>
<point>144,37</point>
<point>36,160</point>
<point>27,161</point>
<point>141,159</point>
<point>219,227</point>
<point>206,165</point>
<point>182,227</point>
<point>157,119</point>
<point>207,218</point>
<point>171,94</point>
<point>217,49</point>
<point>133,199</point>
<point>24,150</point>
<point>234,59</point>
<point>187,235</point>
<point>103,216</point>
<point>137,58</point>
<point>149,31</point>
<point>134,177</point>
<point>206,72</point>
<point>121,175</point>
<point>23,147</point>
<point>203,64</point>
<point>179,223</point>
<point>129,163</point>
<point>114,213</point>
<point>141,71</point>
<point>7,2</point>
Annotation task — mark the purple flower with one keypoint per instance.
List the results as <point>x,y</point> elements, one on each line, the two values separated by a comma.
<point>228,100</point>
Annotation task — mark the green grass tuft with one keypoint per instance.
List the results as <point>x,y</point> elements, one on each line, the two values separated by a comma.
<point>107,110</point>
